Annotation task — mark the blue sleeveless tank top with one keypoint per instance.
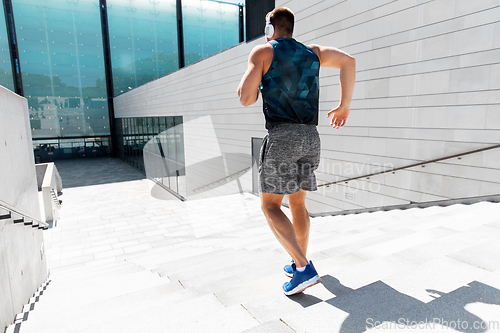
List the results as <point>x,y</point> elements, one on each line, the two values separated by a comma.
<point>290,88</point>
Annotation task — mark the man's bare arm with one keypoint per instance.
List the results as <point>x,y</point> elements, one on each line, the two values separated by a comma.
<point>248,90</point>
<point>335,58</point>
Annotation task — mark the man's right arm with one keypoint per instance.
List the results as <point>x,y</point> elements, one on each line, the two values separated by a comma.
<point>335,58</point>
<point>248,90</point>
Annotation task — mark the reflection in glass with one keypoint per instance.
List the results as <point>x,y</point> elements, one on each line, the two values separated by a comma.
<point>143,40</point>
<point>57,149</point>
<point>61,55</point>
<point>6,79</point>
<point>62,62</point>
<point>209,27</point>
<point>155,146</point>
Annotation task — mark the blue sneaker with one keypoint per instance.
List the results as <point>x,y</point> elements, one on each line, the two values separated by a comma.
<point>302,280</point>
<point>289,269</point>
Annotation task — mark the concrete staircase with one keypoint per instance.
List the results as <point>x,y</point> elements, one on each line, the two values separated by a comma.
<point>379,268</point>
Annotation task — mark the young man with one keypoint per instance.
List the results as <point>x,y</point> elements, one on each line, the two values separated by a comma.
<point>287,74</point>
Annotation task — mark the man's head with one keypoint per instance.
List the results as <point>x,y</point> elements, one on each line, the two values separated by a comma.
<point>282,19</point>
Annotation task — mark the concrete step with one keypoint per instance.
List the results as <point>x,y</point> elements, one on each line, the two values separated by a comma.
<point>256,236</point>
<point>344,242</point>
<point>200,256</point>
<point>341,281</point>
<point>250,287</point>
<point>159,305</point>
<point>46,308</point>
<point>275,305</point>
<point>153,258</point>
<point>162,316</point>
<point>204,263</point>
<point>227,261</point>
<point>239,275</point>
<point>229,278</point>
<point>87,267</point>
<point>267,243</point>
<point>404,296</point>
<point>66,294</point>
<point>227,320</point>
<point>396,244</point>
<point>273,326</point>
<point>95,273</point>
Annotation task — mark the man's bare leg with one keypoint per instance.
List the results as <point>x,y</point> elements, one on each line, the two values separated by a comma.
<point>282,228</point>
<point>300,218</point>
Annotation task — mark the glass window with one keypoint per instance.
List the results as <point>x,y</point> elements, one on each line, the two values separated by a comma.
<point>209,27</point>
<point>163,124</point>
<point>165,153</point>
<point>179,139</point>
<point>6,79</point>
<point>171,139</point>
<point>128,143</point>
<point>61,55</point>
<point>179,142</point>
<point>125,126</point>
<point>144,132</point>
<point>143,40</point>
<point>150,123</point>
<point>156,126</point>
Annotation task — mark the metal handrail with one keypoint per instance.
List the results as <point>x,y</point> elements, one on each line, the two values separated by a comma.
<point>412,165</point>
<point>17,212</point>
<point>219,180</point>
<point>54,197</point>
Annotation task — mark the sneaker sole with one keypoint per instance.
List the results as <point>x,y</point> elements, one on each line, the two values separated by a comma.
<point>288,274</point>
<point>304,285</point>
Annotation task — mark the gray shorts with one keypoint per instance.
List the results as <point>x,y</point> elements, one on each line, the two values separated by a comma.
<point>288,157</point>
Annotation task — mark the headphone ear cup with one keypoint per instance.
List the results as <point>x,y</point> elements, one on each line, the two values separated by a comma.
<point>269,30</point>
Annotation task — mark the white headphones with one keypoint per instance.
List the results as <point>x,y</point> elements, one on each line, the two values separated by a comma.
<point>269,29</point>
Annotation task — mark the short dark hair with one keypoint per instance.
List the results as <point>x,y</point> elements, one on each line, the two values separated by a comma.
<point>283,20</point>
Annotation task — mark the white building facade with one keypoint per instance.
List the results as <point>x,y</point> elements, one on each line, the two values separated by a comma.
<point>427,87</point>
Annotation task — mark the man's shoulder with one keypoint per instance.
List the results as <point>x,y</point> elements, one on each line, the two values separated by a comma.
<point>316,49</point>
<point>262,51</point>
<point>263,48</point>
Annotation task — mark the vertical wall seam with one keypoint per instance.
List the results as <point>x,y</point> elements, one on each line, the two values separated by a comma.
<point>108,70</point>
<point>14,52</point>
<point>180,34</point>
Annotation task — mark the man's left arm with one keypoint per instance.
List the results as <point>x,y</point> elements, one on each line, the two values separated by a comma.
<point>248,90</point>
<point>335,58</point>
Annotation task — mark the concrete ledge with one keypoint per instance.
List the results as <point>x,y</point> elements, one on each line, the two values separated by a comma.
<point>23,266</point>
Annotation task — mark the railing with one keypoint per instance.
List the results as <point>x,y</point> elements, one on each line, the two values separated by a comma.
<point>166,162</point>
<point>9,212</point>
<point>55,198</point>
<point>50,184</point>
<point>227,178</point>
<point>411,165</point>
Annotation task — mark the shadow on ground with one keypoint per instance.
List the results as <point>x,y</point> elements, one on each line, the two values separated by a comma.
<point>95,171</point>
<point>379,304</point>
<point>160,193</point>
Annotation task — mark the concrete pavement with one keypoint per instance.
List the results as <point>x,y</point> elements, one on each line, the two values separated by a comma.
<point>126,256</point>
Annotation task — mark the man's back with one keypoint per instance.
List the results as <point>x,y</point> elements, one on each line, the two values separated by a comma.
<point>290,88</point>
